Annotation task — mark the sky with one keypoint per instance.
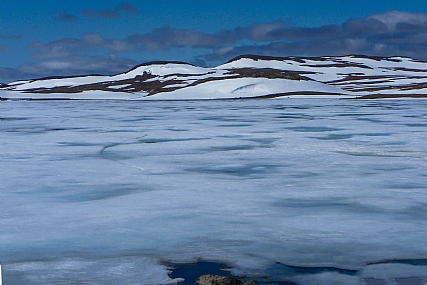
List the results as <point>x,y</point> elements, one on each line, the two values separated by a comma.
<point>60,37</point>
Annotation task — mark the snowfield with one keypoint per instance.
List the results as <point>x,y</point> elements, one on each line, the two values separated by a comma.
<point>244,88</point>
<point>243,77</point>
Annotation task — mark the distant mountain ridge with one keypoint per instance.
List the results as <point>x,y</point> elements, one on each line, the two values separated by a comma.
<point>246,76</point>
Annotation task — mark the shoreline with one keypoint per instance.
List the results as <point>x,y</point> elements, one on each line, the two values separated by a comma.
<point>272,96</point>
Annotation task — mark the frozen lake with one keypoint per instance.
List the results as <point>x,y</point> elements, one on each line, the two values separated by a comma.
<point>312,191</point>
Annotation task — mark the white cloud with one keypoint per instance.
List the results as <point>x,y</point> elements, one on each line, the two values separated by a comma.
<point>392,18</point>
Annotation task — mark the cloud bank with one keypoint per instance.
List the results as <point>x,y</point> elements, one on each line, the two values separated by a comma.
<point>167,38</point>
<point>391,33</point>
<point>113,13</point>
<point>73,65</point>
<point>70,46</point>
<point>62,16</point>
<point>120,10</point>
<point>387,34</point>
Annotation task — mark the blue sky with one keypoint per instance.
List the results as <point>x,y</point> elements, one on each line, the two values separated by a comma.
<point>57,37</point>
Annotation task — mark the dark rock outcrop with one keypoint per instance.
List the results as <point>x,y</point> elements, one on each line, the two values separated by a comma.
<point>211,279</point>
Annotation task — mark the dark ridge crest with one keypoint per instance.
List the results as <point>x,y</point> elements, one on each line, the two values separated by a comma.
<point>392,58</point>
<point>257,57</point>
<point>373,57</point>
<point>88,75</point>
<point>321,58</point>
<point>157,63</point>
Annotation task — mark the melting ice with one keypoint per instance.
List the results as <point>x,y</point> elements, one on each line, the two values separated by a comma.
<point>303,190</point>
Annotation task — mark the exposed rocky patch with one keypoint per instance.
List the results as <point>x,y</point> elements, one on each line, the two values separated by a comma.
<point>211,279</point>
<point>270,73</point>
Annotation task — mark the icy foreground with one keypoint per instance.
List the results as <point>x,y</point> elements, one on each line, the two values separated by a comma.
<point>243,77</point>
<point>313,191</point>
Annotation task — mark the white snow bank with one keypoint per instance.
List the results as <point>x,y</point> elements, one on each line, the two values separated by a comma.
<point>244,87</point>
<point>392,272</point>
<point>109,271</point>
<point>162,70</point>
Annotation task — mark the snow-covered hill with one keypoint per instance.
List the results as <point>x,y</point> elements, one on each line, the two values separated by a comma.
<point>243,77</point>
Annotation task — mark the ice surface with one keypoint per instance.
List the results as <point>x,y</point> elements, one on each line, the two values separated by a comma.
<point>390,272</point>
<point>322,186</point>
<point>108,271</point>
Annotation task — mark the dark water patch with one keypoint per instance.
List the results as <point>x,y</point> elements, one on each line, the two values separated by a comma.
<point>165,140</point>
<point>231,148</point>
<point>77,194</point>
<point>376,134</point>
<point>234,125</point>
<point>281,107</point>
<point>415,262</point>
<point>411,151</point>
<point>267,132</point>
<point>296,116</point>
<point>313,129</point>
<point>220,119</point>
<point>301,174</point>
<point>265,141</point>
<point>393,143</point>
<point>280,270</point>
<point>328,205</point>
<point>391,167</point>
<point>140,119</point>
<point>78,144</point>
<point>96,194</point>
<point>414,116</point>
<point>412,213</point>
<point>373,281</point>
<point>374,120</point>
<point>368,154</point>
<point>115,131</point>
<point>13,119</point>
<point>234,136</point>
<point>418,211</point>
<point>404,186</point>
<point>46,191</point>
<point>302,107</point>
<point>117,155</point>
<point>37,130</point>
<point>421,125</point>
<point>355,114</point>
<point>238,170</point>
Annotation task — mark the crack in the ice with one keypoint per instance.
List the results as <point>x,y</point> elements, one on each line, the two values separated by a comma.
<point>126,141</point>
